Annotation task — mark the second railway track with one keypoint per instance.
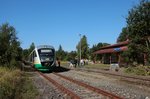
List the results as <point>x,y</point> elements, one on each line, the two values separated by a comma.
<point>116,74</point>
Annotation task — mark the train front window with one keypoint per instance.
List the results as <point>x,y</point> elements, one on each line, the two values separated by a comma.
<point>46,54</point>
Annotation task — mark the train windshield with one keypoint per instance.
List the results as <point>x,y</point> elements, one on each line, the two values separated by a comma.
<point>46,54</point>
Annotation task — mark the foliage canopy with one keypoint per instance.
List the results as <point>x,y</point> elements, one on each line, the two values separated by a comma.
<point>10,50</point>
<point>137,31</point>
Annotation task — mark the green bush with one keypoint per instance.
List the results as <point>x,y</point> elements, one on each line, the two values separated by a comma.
<point>139,70</point>
<point>129,70</point>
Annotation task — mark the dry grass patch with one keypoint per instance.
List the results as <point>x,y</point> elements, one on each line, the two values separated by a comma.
<point>15,85</point>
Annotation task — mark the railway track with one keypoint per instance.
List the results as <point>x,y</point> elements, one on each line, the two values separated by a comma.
<point>138,80</point>
<point>94,89</point>
<point>115,74</point>
<point>60,87</point>
<point>80,89</point>
<point>135,80</point>
<point>81,93</point>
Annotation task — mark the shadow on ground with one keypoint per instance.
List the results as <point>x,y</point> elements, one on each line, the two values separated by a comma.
<point>56,69</point>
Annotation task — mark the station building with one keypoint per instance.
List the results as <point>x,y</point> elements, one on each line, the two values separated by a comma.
<point>111,53</point>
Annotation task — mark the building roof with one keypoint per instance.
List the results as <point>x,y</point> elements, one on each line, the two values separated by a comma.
<point>119,47</point>
<point>116,45</point>
<point>111,50</point>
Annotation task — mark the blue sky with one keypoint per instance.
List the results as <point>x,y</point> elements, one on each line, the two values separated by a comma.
<point>59,22</point>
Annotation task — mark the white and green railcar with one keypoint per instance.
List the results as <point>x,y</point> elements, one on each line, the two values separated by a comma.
<point>43,57</point>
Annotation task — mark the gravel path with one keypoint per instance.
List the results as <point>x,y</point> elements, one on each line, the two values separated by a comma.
<point>113,85</point>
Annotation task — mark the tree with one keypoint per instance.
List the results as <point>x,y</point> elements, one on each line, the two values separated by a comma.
<point>138,30</point>
<point>84,47</point>
<point>138,24</point>
<point>61,54</point>
<point>71,55</point>
<point>97,47</point>
<point>10,50</point>
<point>32,47</point>
<point>25,54</point>
<point>123,35</point>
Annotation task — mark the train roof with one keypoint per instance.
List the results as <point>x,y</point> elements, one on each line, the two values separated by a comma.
<point>45,46</point>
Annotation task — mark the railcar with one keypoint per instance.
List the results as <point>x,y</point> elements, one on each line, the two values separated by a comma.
<point>43,57</point>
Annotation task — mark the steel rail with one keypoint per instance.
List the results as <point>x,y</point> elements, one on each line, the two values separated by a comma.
<point>62,88</point>
<point>97,90</point>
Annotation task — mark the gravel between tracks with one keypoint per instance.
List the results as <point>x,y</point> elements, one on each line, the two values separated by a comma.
<point>82,92</point>
<point>113,85</point>
<point>46,89</point>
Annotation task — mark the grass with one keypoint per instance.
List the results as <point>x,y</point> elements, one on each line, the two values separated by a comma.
<point>15,85</point>
<point>98,66</point>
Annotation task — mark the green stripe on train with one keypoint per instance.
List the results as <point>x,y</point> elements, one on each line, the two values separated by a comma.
<point>44,69</point>
<point>41,68</point>
<point>37,65</point>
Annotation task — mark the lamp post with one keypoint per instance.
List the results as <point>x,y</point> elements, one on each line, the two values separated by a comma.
<point>80,49</point>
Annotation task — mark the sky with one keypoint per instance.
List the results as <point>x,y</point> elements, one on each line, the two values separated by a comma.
<point>59,22</point>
